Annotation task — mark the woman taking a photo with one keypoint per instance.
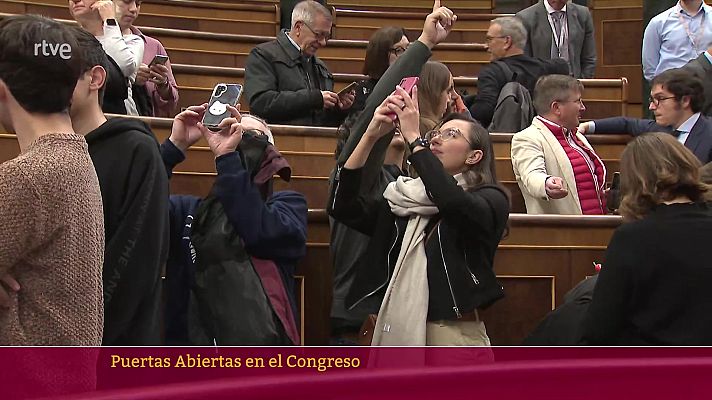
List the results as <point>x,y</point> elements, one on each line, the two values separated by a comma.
<point>433,239</point>
<point>653,288</point>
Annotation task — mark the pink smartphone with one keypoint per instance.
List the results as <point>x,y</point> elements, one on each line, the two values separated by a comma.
<point>407,83</point>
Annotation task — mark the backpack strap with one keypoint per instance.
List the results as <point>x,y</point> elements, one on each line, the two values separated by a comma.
<point>509,75</point>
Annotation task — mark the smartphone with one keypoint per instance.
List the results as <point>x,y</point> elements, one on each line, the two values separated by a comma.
<point>351,86</point>
<point>407,83</point>
<point>158,59</point>
<point>613,199</point>
<point>224,94</point>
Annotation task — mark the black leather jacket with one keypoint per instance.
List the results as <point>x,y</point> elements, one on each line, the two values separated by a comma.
<point>460,252</point>
<point>279,89</point>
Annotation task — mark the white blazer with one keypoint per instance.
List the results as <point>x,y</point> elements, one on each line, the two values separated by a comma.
<point>537,154</point>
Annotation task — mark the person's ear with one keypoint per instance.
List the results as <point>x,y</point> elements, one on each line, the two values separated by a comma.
<point>98,77</point>
<point>685,101</point>
<point>474,157</point>
<point>507,43</point>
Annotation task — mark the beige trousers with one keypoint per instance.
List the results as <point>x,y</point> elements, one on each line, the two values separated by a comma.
<point>456,333</point>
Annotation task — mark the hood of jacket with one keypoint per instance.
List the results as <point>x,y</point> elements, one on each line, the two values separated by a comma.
<point>117,126</point>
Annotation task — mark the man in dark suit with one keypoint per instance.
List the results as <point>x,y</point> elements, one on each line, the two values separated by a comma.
<point>558,29</point>
<point>506,38</point>
<point>702,68</point>
<point>676,100</point>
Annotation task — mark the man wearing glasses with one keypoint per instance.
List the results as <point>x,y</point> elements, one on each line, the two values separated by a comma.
<point>286,83</point>
<point>676,100</point>
<point>506,38</point>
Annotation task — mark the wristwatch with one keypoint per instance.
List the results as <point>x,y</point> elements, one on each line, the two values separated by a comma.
<point>111,22</point>
<point>418,142</point>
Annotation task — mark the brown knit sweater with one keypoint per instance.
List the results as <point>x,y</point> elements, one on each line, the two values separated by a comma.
<point>52,243</point>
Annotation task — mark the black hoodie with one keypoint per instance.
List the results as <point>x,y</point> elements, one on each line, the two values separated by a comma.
<point>134,189</point>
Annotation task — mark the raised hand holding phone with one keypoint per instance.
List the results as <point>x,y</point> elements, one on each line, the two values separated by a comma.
<point>224,95</point>
<point>381,123</point>
<point>186,131</point>
<point>228,134</point>
<point>407,84</point>
<point>408,115</point>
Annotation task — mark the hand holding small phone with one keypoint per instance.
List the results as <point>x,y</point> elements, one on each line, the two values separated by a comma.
<point>158,59</point>
<point>224,95</point>
<point>348,89</point>
<point>407,84</point>
<point>158,70</point>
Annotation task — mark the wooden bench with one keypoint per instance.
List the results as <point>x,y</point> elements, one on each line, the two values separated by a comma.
<point>310,153</point>
<point>231,50</point>
<point>360,24</point>
<point>602,97</point>
<point>459,6</point>
<point>340,55</point>
<point>238,19</point>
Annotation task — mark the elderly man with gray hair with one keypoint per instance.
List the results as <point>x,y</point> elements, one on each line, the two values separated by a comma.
<point>506,38</point>
<point>286,83</point>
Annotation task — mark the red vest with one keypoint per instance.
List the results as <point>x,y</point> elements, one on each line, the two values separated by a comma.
<point>588,170</point>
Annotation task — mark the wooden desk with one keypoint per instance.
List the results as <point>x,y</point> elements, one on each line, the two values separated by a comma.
<point>542,258</point>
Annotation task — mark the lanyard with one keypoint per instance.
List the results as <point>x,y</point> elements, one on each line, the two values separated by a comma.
<point>696,38</point>
<point>559,41</point>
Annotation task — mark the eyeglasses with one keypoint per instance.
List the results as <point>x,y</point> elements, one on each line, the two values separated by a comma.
<point>445,135</point>
<point>579,101</point>
<point>489,39</point>
<point>657,100</point>
<point>318,35</point>
<point>397,51</point>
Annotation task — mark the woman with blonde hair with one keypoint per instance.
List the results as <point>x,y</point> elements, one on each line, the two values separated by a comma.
<point>436,91</point>
<point>653,288</point>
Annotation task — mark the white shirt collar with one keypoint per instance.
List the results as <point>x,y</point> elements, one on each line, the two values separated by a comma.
<point>297,46</point>
<point>293,42</point>
<point>687,125</point>
<point>550,9</point>
<point>563,128</point>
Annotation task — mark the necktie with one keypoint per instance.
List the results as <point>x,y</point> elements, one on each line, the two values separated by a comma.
<point>561,44</point>
<point>678,133</point>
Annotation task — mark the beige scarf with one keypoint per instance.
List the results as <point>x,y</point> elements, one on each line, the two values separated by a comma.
<point>404,310</point>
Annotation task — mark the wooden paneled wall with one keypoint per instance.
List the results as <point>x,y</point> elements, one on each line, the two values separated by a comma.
<point>619,31</point>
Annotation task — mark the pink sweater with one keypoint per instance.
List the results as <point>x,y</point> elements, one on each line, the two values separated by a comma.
<point>52,243</point>
<point>161,107</point>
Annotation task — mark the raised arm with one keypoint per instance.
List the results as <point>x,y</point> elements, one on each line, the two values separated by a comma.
<point>185,132</point>
<point>437,26</point>
<point>346,203</point>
